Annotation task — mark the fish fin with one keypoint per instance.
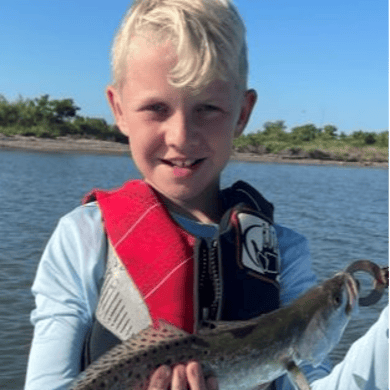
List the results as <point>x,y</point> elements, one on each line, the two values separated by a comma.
<point>297,377</point>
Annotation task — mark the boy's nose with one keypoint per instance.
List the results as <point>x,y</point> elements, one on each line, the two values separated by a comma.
<point>180,132</point>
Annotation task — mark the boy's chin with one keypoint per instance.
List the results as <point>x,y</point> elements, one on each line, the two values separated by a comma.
<point>185,192</point>
<point>178,192</point>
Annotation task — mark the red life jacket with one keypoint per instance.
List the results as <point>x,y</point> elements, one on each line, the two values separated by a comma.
<point>163,269</point>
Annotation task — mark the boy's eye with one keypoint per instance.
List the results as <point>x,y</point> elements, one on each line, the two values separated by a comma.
<point>208,111</point>
<point>159,110</point>
<point>207,108</point>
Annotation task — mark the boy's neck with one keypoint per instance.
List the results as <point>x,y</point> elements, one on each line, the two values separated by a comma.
<point>207,210</point>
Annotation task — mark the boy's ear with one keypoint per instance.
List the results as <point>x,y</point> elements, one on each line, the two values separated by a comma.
<point>248,102</point>
<point>115,102</point>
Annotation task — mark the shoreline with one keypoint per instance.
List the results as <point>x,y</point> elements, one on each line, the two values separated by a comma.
<point>93,146</point>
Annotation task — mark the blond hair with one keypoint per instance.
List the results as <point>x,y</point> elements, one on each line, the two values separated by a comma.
<point>208,35</point>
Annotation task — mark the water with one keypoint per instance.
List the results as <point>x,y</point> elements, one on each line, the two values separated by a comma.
<point>343,212</point>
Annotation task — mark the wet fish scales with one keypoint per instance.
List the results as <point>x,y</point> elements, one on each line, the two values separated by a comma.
<point>132,362</point>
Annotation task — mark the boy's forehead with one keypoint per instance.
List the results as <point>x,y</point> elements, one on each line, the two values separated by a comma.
<point>217,87</point>
<point>149,64</point>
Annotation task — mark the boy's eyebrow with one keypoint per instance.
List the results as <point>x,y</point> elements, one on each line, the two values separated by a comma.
<point>146,98</point>
<point>219,93</point>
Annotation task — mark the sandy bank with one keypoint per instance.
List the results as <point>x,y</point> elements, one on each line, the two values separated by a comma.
<point>72,145</point>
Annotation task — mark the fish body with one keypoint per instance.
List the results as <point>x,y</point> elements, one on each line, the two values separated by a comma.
<point>241,354</point>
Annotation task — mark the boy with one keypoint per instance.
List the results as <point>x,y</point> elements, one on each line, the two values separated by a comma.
<point>171,246</point>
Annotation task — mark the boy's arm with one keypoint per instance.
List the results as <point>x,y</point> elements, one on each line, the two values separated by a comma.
<point>66,290</point>
<point>297,274</point>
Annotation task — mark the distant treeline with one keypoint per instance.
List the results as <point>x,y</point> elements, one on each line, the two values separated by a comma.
<point>274,137</point>
<point>43,117</point>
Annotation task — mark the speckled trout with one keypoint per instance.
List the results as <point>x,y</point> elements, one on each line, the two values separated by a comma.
<point>242,354</point>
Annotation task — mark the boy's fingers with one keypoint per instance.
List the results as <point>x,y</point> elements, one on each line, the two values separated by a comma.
<point>179,380</point>
<point>196,379</point>
<point>195,376</point>
<point>160,379</point>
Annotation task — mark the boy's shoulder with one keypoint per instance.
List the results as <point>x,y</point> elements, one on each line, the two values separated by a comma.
<point>82,219</point>
<point>288,235</point>
<point>87,210</point>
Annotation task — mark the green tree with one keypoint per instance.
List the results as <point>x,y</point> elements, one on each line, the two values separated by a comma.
<point>305,133</point>
<point>382,139</point>
<point>95,127</point>
<point>363,138</point>
<point>330,132</point>
<point>42,109</point>
<point>274,131</point>
<point>343,136</point>
<point>62,110</point>
<point>8,113</point>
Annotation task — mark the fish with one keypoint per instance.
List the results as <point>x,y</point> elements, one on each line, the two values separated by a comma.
<point>240,354</point>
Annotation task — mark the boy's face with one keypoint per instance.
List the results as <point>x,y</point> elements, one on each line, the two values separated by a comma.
<point>179,141</point>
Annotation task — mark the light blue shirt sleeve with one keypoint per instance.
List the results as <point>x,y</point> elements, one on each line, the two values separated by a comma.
<point>66,291</point>
<point>297,275</point>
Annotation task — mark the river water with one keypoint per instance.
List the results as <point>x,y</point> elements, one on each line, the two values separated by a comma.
<point>343,211</point>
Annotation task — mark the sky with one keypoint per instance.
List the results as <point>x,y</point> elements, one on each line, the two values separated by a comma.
<point>311,61</point>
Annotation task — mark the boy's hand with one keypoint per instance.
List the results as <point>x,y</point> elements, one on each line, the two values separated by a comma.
<point>181,377</point>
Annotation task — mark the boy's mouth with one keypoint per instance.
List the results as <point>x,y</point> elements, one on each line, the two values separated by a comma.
<point>183,163</point>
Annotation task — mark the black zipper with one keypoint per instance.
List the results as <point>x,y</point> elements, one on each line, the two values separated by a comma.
<point>209,282</point>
